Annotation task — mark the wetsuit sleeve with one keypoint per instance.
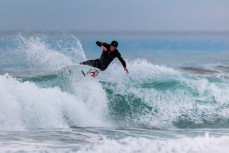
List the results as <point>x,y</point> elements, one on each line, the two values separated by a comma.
<point>98,43</point>
<point>121,60</point>
<point>102,44</point>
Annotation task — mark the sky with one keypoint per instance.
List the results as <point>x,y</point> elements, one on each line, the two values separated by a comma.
<point>114,15</point>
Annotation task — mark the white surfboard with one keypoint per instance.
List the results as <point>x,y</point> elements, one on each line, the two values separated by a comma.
<point>82,71</point>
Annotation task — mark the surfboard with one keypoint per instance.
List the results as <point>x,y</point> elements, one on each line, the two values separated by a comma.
<point>82,71</point>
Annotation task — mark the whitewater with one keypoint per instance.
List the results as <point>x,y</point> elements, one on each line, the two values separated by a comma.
<point>175,98</point>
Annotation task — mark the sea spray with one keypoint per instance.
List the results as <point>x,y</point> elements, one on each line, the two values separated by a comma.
<point>40,53</point>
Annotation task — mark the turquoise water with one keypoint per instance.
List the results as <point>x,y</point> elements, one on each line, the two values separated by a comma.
<point>175,98</point>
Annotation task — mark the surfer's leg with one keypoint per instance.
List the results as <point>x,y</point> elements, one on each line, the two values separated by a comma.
<point>103,67</point>
<point>89,62</point>
<point>95,63</point>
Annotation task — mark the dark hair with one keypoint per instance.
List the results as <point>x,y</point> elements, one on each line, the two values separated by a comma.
<point>114,43</point>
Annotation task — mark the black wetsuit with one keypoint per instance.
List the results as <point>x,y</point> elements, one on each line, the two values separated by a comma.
<point>106,58</point>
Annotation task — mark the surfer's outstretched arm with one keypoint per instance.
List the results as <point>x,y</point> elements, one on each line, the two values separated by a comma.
<point>123,62</point>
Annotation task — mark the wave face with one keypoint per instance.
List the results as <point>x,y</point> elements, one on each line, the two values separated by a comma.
<point>36,93</point>
<point>161,97</point>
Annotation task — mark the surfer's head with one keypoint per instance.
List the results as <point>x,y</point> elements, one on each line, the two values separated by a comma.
<point>114,45</point>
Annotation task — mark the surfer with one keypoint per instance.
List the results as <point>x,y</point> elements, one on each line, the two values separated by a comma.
<point>110,52</point>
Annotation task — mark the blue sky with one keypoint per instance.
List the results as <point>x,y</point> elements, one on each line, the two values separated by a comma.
<point>115,15</point>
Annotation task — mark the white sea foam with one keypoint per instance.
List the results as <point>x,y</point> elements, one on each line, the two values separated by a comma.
<point>24,106</point>
<point>204,144</point>
<point>140,71</point>
<point>173,96</point>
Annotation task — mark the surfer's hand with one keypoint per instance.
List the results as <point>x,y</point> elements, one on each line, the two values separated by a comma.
<point>104,48</point>
<point>126,70</point>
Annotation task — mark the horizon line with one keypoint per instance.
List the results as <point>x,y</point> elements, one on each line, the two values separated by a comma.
<point>85,32</point>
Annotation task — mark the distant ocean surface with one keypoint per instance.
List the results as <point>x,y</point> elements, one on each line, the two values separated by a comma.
<point>174,100</point>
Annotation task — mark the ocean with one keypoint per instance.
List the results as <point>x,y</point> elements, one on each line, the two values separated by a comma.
<point>175,98</point>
